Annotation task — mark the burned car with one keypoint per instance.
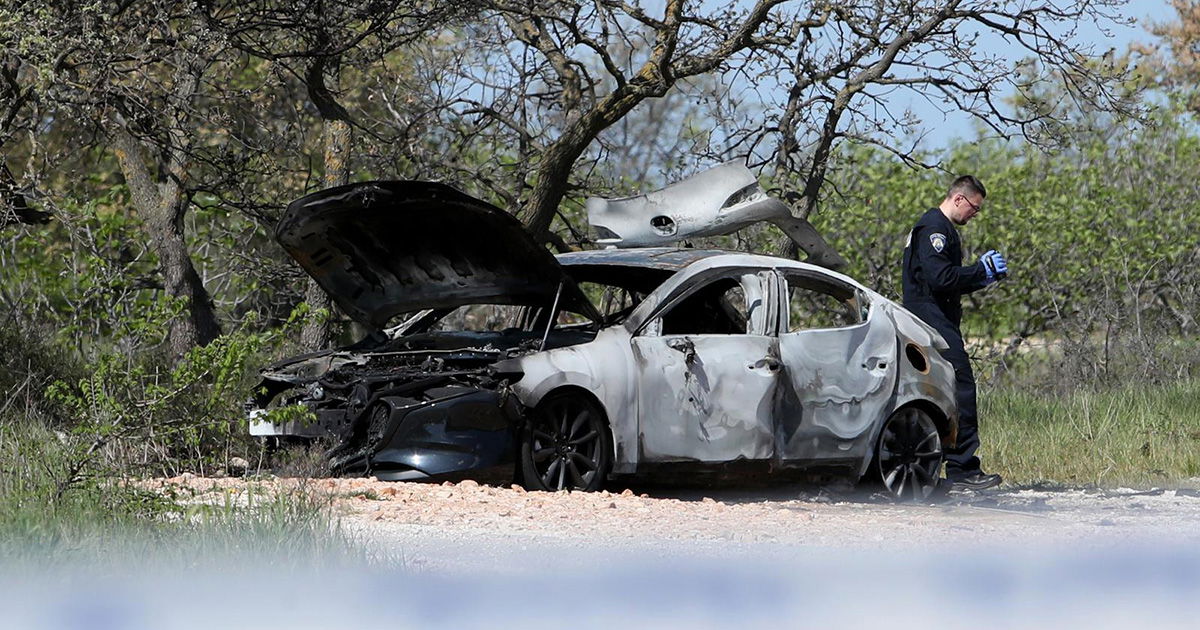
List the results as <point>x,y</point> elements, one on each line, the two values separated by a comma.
<point>564,371</point>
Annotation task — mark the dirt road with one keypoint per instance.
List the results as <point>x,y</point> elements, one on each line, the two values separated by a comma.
<point>466,526</point>
<point>494,527</point>
<point>472,557</point>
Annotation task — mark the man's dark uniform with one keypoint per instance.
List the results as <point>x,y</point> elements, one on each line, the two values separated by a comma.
<point>934,282</point>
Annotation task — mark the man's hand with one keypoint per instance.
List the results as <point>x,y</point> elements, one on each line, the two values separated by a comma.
<point>995,265</point>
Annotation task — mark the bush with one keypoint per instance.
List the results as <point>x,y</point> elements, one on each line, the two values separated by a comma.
<point>1101,243</point>
<point>132,413</point>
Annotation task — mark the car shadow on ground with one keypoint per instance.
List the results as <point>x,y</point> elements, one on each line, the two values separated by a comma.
<point>1027,497</point>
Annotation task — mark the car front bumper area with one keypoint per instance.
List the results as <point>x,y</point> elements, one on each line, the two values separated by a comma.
<point>400,439</point>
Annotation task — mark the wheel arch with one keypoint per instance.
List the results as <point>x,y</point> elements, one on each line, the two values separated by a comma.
<point>541,421</point>
<point>571,388</point>
<point>532,394</point>
<point>947,428</point>
<point>912,469</point>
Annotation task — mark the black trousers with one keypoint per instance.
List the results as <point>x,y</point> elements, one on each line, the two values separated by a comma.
<point>960,460</point>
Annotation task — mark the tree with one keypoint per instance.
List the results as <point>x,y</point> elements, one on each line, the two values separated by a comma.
<point>313,41</point>
<point>1174,64</point>
<point>853,61</point>
<point>13,206</point>
<point>126,77</point>
<point>536,84</point>
<point>515,101</point>
<point>568,71</point>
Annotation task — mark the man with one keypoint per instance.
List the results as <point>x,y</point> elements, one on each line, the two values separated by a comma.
<point>934,281</point>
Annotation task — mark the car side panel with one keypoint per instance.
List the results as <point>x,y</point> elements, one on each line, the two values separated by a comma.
<point>706,398</point>
<point>842,384</point>
<point>603,367</point>
<point>934,384</point>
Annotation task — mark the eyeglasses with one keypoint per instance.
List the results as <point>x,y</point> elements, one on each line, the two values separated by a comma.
<point>974,207</point>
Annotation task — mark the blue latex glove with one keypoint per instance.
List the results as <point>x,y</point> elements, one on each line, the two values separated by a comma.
<point>995,265</point>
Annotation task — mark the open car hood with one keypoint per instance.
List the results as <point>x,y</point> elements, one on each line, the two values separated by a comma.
<point>389,247</point>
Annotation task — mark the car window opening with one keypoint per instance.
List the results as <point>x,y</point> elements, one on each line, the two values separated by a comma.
<point>814,305</point>
<point>719,308</point>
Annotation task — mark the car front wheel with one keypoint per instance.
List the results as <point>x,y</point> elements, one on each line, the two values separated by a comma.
<point>565,444</point>
<point>908,456</point>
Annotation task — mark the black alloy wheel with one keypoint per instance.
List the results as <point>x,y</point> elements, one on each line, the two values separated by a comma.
<point>565,445</point>
<point>908,456</point>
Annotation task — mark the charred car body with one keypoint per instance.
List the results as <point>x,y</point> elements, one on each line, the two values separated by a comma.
<point>568,370</point>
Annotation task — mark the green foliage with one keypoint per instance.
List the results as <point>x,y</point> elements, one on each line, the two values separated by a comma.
<point>131,410</point>
<point>35,513</point>
<point>244,270</point>
<point>1100,241</point>
<point>86,275</point>
<point>76,435</point>
<point>83,345</point>
<point>115,521</point>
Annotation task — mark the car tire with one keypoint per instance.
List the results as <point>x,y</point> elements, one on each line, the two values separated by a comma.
<point>565,444</point>
<point>908,455</point>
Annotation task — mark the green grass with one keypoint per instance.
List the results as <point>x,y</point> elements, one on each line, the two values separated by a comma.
<point>1133,436</point>
<point>106,519</point>
<point>1136,436</point>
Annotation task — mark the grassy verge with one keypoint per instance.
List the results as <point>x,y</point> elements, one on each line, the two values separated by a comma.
<point>105,519</point>
<point>1134,436</point>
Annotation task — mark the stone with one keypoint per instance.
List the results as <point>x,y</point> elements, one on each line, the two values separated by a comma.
<point>237,467</point>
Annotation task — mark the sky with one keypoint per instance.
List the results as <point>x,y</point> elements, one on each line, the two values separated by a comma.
<point>944,129</point>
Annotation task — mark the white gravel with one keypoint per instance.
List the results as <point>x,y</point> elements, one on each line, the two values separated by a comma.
<point>470,557</point>
<point>467,526</point>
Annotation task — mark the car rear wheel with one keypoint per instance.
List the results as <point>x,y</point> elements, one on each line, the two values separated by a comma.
<point>565,445</point>
<point>908,456</point>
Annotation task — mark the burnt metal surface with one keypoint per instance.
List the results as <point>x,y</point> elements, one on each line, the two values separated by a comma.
<point>388,247</point>
<point>717,201</point>
<point>406,414</point>
<point>605,369</point>
<point>810,398</point>
<point>445,430</point>
<point>842,381</point>
<point>718,390</point>
<point>708,398</point>
<point>664,258</point>
<point>720,200</point>
<point>930,379</point>
<point>702,369</point>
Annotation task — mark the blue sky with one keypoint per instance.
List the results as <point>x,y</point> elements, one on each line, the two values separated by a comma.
<point>943,129</point>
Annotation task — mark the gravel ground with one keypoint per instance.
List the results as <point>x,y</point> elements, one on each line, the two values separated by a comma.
<point>468,557</point>
<point>467,526</point>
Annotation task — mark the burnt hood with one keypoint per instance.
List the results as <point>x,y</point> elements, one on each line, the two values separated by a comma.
<point>388,247</point>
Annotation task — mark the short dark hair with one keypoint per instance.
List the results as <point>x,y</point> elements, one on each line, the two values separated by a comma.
<point>966,184</point>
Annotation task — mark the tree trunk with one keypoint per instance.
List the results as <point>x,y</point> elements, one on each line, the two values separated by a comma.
<point>198,326</point>
<point>553,173</point>
<point>318,334</point>
<point>162,205</point>
<point>554,169</point>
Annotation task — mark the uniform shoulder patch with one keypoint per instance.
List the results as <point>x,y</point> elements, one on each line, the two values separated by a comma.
<point>938,240</point>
